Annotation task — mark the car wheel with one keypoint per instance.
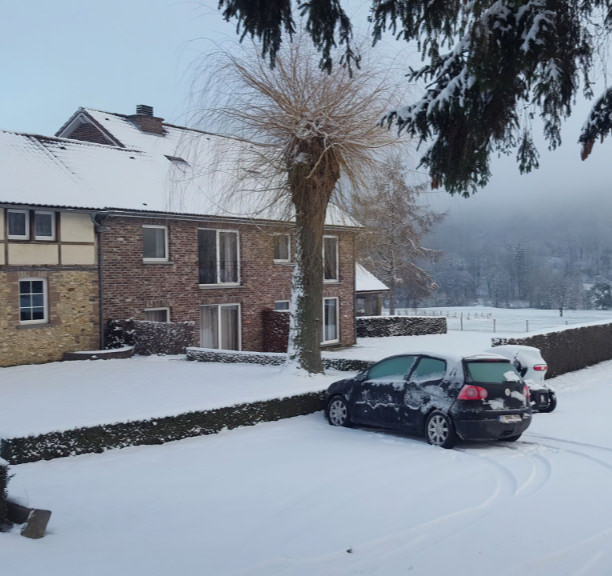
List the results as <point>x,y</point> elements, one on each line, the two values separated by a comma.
<point>338,412</point>
<point>440,431</point>
<point>551,406</point>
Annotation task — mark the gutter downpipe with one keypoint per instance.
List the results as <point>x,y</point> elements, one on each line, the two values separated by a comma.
<point>98,220</point>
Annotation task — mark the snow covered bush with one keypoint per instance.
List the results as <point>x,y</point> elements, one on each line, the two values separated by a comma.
<point>4,477</point>
<point>97,439</point>
<point>269,359</point>
<point>380,326</point>
<point>149,337</point>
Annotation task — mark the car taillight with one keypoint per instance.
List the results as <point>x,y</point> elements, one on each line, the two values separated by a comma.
<point>540,367</point>
<point>526,392</point>
<point>469,392</point>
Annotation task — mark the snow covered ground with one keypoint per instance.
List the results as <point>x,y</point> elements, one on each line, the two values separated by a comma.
<point>299,497</point>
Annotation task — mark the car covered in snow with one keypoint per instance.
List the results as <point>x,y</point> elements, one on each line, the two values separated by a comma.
<point>532,367</point>
<point>444,397</point>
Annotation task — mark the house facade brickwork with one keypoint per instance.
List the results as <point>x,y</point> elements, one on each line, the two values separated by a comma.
<point>132,285</point>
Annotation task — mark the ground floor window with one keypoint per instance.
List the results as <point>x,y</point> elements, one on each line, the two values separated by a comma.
<point>33,301</point>
<point>220,326</point>
<point>157,315</point>
<point>330,320</point>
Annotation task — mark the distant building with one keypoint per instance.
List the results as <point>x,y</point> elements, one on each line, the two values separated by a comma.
<point>369,292</point>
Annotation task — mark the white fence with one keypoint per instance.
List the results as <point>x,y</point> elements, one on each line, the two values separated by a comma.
<point>502,320</point>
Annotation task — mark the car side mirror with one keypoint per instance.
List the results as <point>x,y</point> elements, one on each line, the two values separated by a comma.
<point>361,376</point>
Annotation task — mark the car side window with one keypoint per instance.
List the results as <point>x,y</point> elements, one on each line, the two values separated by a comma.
<point>428,370</point>
<point>395,368</point>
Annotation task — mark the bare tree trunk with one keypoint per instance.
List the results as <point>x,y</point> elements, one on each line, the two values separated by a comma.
<point>311,189</point>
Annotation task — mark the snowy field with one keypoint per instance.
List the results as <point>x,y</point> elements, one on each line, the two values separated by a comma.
<point>299,497</point>
<point>503,320</point>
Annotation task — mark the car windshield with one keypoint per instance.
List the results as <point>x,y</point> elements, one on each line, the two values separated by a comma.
<point>491,371</point>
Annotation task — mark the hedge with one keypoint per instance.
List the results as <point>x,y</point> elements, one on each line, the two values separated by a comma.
<point>149,337</point>
<point>96,439</point>
<point>269,359</point>
<point>382,326</point>
<point>569,349</point>
<point>4,478</point>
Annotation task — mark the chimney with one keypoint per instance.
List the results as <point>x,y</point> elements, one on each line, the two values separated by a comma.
<point>145,120</point>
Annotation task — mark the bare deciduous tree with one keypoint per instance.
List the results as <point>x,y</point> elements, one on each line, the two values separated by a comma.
<point>299,130</point>
<point>394,222</point>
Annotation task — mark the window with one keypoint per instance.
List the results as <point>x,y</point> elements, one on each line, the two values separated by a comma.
<point>282,248</point>
<point>18,224</point>
<point>330,320</point>
<point>218,257</point>
<point>281,305</point>
<point>491,371</point>
<point>220,327</point>
<point>154,243</point>
<point>44,225</point>
<point>32,301</point>
<point>428,370</point>
<point>394,368</point>
<point>157,315</point>
<point>330,259</point>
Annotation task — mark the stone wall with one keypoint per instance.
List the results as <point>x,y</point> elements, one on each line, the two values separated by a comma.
<point>73,316</point>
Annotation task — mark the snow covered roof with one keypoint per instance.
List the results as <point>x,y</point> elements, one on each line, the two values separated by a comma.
<point>180,171</point>
<point>365,281</point>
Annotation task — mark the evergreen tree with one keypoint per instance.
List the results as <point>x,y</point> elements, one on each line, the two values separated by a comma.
<point>490,67</point>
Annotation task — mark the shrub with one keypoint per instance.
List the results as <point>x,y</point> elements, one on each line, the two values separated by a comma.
<point>381,326</point>
<point>150,337</point>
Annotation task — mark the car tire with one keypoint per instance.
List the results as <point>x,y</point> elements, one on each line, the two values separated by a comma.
<point>551,406</point>
<point>439,430</point>
<point>338,412</point>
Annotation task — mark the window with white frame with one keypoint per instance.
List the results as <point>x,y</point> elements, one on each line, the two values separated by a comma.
<point>281,305</point>
<point>330,258</point>
<point>18,224</point>
<point>282,248</point>
<point>218,257</point>
<point>44,225</point>
<point>157,314</point>
<point>33,301</point>
<point>155,243</point>
<point>330,321</point>
<point>220,326</point>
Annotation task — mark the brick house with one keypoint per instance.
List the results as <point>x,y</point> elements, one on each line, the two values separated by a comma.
<point>144,228</point>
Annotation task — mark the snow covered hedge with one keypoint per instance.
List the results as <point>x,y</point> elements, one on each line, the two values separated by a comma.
<point>97,439</point>
<point>150,337</point>
<point>3,493</point>
<point>569,349</point>
<point>268,359</point>
<point>380,326</point>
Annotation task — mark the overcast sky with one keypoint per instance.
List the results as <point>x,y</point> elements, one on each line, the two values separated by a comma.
<point>58,55</point>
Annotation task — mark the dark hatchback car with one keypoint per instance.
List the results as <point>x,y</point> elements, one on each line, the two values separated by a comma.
<point>446,398</point>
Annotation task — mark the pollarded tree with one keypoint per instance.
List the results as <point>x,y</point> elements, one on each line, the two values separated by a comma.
<point>491,67</point>
<point>298,130</point>
<point>394,222</point>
